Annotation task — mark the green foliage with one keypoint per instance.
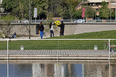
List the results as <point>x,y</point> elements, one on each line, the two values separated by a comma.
<point>104,4</point>
<point>56,7</point>
<point>65,14</point>
<point>77,13</point>
<point>8,17</point>
<point>90,12</point>
<point>17,8</point>
<point>6,28</point>
<point>50,8</point>
<point>20,8</point>
<point>8,4</point>
<point>112,13</point>
<point>41,5</point>
<point>50,15</point>
<point>3,45</point>
<point>104,11</point>
<point>71,4</point>
<point>52,44</point>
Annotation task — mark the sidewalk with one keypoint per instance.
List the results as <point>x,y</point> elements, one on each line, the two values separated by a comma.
<point>63,55</point>
<point>35,37</point>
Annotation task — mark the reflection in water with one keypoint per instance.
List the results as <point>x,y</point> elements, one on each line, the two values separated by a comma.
<point>38,70</point>
<point>96,70</point>
<point>3,70</point>
<point>77,70</point>
<point>20,70</point>
<point>57,70</point>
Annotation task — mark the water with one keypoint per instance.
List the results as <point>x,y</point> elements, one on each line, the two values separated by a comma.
<point>58,70</point>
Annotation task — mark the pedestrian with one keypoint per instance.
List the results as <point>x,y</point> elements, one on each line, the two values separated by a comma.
<point>62,25</point>
<point>51,30</point>
<point>14,35</point>
<point>41,29</point>
<point>3,35</point>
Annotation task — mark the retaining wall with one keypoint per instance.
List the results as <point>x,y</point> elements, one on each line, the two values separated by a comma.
<point>69,28</point>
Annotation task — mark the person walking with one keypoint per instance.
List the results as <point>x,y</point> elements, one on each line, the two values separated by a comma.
<point>51,30</point>
<point>3,35</point>
<point>62,28</point>
<point>41,29</point>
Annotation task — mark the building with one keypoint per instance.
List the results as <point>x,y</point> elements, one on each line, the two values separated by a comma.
<point>96,4</point>
<point>112,4</point>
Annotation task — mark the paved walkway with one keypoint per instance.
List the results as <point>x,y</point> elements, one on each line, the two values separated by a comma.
<point>57,54</point>
<point>26,38</point>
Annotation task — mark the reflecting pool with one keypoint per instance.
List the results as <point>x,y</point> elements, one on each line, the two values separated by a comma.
<point>58,70</point>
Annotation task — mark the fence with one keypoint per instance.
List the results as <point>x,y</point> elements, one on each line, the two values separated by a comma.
<point>57,50</point>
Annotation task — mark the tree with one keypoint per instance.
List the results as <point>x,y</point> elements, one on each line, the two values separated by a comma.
<point>20,8</point>
<point>55,7</point>
<point>104,11</point>
<point>90,12</point>
<point>112,13</point>
<point>62,8</point>
<point>5,24</point>
<point>41,6</point>
<point>71,4</point>
<point>78,13</point>
<point>6,27</point>
<point>17,8</point>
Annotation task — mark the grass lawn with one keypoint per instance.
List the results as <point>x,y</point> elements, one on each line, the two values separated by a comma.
<point>53,44</point>
<point>92,35</point>
<point>64,44</point>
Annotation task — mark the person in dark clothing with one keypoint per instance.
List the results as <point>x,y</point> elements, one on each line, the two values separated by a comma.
<point>14,34</point>
<point>62,28</point>
<point>41,29</point>
<point>51,30</point>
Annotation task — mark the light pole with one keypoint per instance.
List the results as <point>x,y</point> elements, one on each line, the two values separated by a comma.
<point>29,21</point>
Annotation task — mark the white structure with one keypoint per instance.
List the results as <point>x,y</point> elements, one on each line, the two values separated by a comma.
<point>1,9</point>
<point>59,70</point>
<point>38,70</point>
<point>1,1</point>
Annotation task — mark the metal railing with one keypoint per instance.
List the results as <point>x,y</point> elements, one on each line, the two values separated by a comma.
<point>65,21</point>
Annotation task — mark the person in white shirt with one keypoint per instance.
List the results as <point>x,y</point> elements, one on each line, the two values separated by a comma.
<point>51,30</point>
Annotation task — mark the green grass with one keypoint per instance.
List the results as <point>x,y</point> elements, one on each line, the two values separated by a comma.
<point>91,35</point>
<point>52,44</point>
<point>64,44</point>
<point>3,45</point>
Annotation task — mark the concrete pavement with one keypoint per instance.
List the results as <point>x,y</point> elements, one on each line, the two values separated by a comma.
<point>57,55</point>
